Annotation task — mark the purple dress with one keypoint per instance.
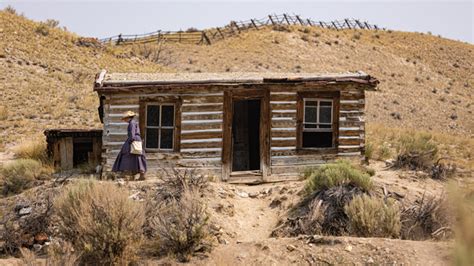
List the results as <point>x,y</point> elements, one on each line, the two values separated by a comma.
<point>125,160</point>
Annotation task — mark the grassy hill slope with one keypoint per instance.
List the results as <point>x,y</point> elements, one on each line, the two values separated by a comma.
<point>47,78</point>
<point>426,81</point>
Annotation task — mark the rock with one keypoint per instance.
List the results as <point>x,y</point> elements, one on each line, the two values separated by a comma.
<point>348,248</point>
<point>243,194</point>
<point>120,182</point>
<point>396,115</point>
<point>223,241</point>
<point>290,247</point>
<point>25,211</point>
<point>41,238</point>
<point>370,260</point>
<point>37,247</point>
<point>253,194</point>
<point>454,116</point>
<point>135,196</point>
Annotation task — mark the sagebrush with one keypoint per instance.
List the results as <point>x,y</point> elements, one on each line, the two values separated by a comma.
<point>102,223</point>
<point>20,174</point>
<point>373,217</point>
<point>337,174</point>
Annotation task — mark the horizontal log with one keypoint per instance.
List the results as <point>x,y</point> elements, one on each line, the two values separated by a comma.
<point>204,144</point>
<point>297,160</point>
<point>283,134</point>
<point>202,99</point>
<point>200,126</point>
<point>343,141</point>
<point>283,123</point>
<point>284,114</point>
<point>283,142</point>
<point>202,107</point>
<point>283,106</point>
<point>283,97</point>
<point>203,116</point>
<point>201,134</point>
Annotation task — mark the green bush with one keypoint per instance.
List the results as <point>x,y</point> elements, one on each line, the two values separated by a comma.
<point>372,217</point>
<point>336,174</point>
<point>19,175</point>
<point>102,223</point>
<point>416,151</point>
<point>369,151</point>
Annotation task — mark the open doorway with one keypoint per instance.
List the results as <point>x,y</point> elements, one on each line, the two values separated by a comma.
<point>246,135</point>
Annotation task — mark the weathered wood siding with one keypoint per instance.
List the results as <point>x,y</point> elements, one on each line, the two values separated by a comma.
<point>202,127</point>
<point>200,132</point>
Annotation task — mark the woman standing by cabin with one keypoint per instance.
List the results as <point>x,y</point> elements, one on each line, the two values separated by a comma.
<point>128,161</point>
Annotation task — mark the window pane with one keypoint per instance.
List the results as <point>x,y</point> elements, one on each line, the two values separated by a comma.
<point>324,126</point>
<point>310,125</point>
<point>325,114</point>
<point>152,115</point>
<point>310,114</point>
<point>311,103</point>
<point>152,138</point>
<point>166,141</point>
<point>167,116</point>
<point>325,103</point>
<point>317,139</point>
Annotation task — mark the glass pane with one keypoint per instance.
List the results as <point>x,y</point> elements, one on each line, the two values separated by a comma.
<point>325,114</point>
<point>152,115</point>
<point>325,103</point>
<point>324,126</point>
<point>317,139</point>
<point>167,116</point>
<point>311,103</point>
<point>310,125</point>
<point>152,138</point>
<point>166,141</point>
<point>310,114</point>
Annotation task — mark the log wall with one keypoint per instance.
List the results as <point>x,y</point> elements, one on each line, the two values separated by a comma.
<point>201,135</point>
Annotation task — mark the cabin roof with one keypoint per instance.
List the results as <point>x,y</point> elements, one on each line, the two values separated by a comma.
<point>105,79</point>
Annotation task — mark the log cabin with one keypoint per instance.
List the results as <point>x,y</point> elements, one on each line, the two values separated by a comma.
<point>237,127</point>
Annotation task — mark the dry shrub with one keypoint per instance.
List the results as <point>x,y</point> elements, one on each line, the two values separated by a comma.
<point>101,222</point>
<point>42,29</point>
<point>337,174</point>
<point>372,217</point>
<point>429,217</point>
<point>32,149</point>
<point>416,151</point>
<point>181,226</point>
<point>10,9</point>
<point>3,113</point>
<point>61,253</point>
<point>175,182</point>
<point>52,23</point>
<point>28,257</point>
<point>19,175</point>
<point>463,202</point>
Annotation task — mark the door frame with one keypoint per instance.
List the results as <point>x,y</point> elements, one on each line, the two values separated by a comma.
<point>230,96</point>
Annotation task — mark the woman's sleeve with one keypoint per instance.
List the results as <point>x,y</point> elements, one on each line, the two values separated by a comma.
<point>135,132</point>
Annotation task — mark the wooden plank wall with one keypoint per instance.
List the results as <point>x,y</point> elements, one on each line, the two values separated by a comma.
<point>285,161</point>
<point>201,130</point>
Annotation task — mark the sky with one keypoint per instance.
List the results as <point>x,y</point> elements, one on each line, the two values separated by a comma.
<point>450,19</point>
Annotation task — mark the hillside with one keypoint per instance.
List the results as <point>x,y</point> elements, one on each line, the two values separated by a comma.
<point>426,81</point>
<point>47,77</point>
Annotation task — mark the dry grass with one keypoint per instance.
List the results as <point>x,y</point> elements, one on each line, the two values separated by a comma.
<point>103,229</point>
<point>20,175</point>
<point>372,217</point>
<point>181,227</point>
<point>463,202</point>
<point>32,149</point>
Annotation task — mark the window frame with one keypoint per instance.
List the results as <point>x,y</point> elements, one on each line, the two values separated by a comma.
<point>303,97</point>
<point>161,101</point>
<point>317,123</point>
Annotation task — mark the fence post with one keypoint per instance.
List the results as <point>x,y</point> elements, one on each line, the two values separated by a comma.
<point>271,19</point>
<point>347,23</point>
<point>206,38</point>
<point>255,25</point>
<point>299,19</point>
<point>287,21</point>
<point>309,22</point>
<point>322,24</point>
<point>367,25</point>
<point>334,24</point>
<point>358,23</point>
<point>218,30</point>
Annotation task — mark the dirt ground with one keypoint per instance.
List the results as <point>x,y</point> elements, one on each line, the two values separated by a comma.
<point>244,217</point>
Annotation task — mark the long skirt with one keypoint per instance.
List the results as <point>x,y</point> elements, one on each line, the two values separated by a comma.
<point>127,162</point>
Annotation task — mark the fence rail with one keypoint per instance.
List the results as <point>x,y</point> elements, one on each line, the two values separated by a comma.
<point>193,36</point>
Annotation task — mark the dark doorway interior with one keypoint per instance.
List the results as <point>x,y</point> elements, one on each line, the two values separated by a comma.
<point>82,147</point>
<point>246,135</point>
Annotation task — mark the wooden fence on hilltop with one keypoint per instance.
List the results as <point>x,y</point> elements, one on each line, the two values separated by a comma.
<point>193,36</point>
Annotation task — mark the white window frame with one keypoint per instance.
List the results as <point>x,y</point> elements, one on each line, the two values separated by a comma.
<point>159,127</point>
<point>317,129</point>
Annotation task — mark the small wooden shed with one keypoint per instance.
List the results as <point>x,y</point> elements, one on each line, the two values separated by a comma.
<point>70,148</point>
<point>240,127</point>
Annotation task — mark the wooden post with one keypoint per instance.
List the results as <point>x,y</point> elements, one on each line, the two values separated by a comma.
<point>206,38</point>
<point>347,23</point>
<point>66,150</point>
<point>322,24</point>
<point>358,23</point>
<point>367,25</point>
<point>334,24</point>
<point>271,19</point>
<point>253,23</point>
<point>309,22</point>
<point>299,19</point>
<point>159,37</point>
<point>287,21</point>
<point>218,30</point>
<point>235,25</point>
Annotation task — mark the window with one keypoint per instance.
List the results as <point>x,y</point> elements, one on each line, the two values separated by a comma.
<point>317,120</point>
<point>160,126</point>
